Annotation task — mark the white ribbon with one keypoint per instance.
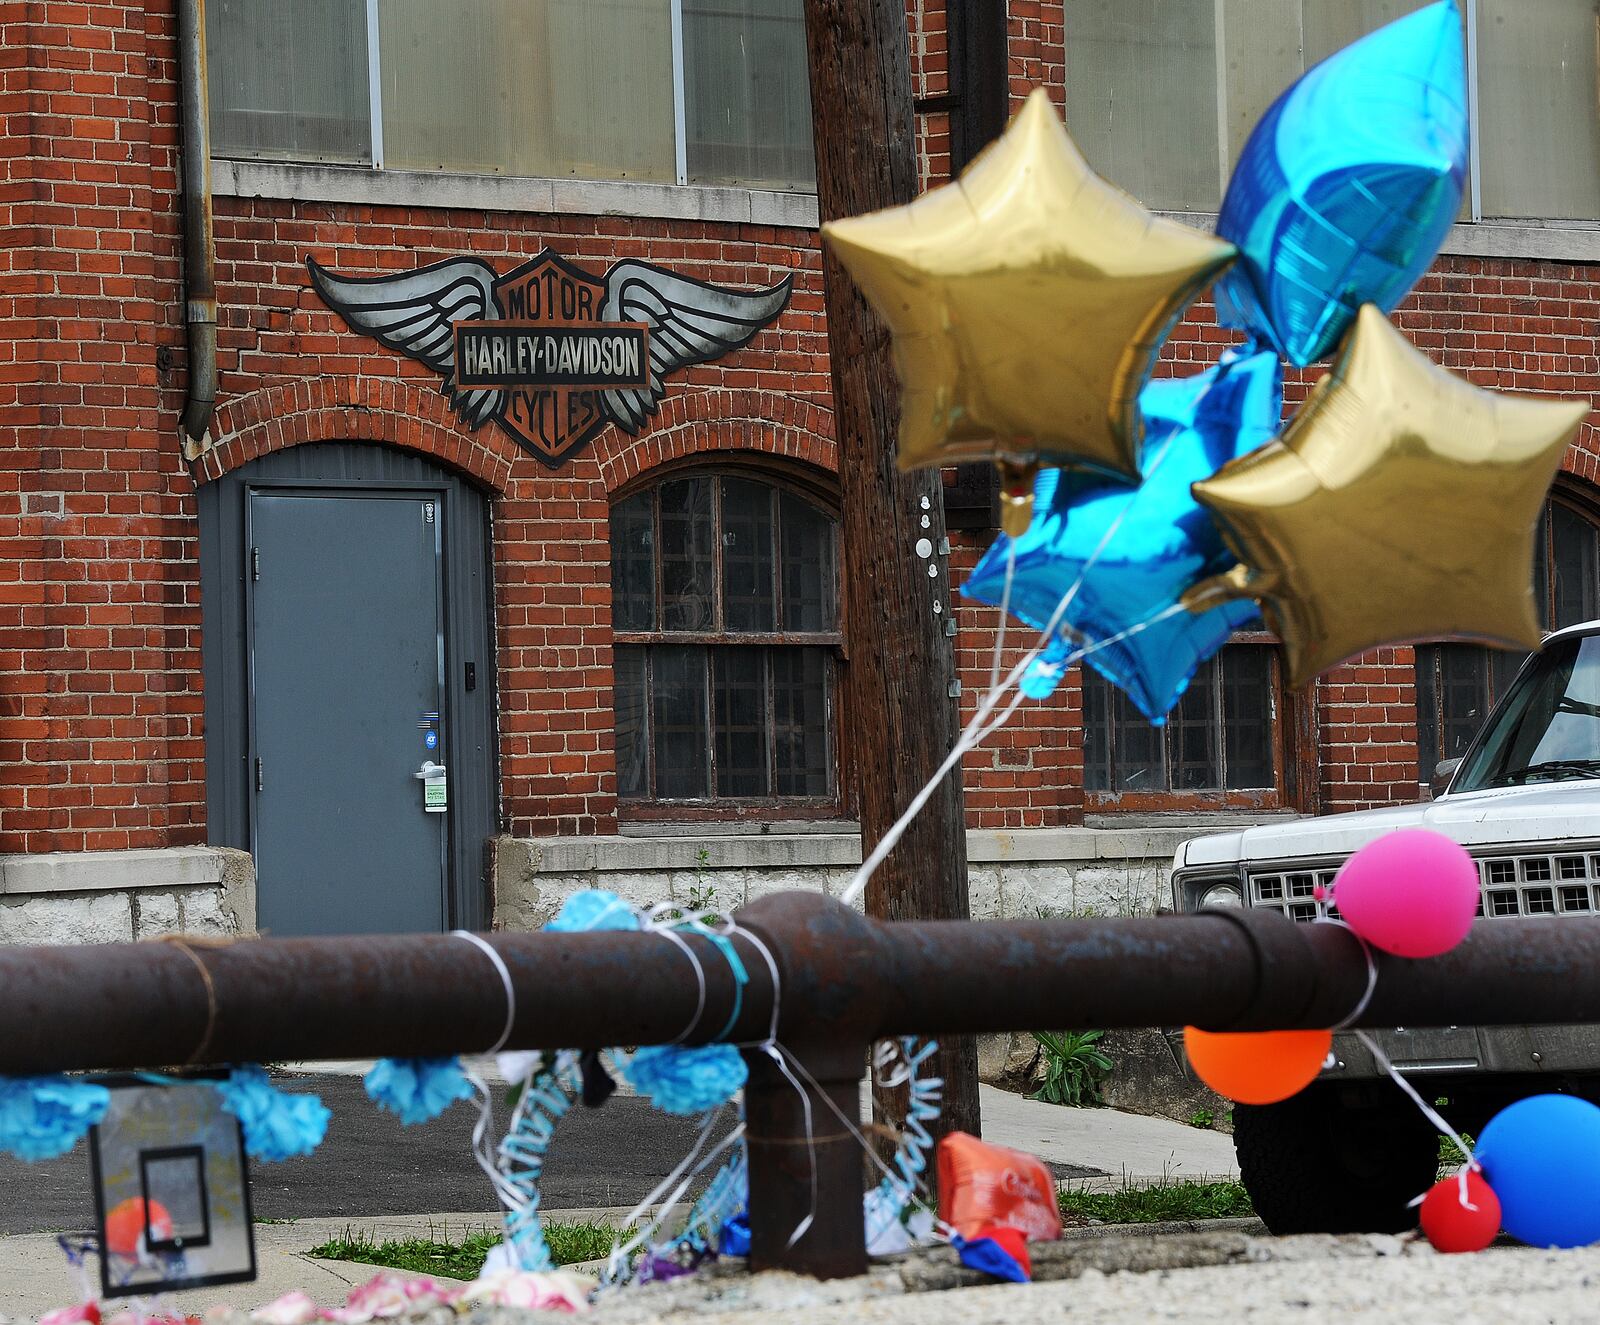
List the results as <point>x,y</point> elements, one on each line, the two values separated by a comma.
<point>505,980</point>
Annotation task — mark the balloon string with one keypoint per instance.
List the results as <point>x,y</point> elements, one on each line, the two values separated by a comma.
<point>1428,1111</point>
<point>674,1183</point>
<point>700,981</point>
<point>853,1126</point>
<point>1323,918</point>
<point>505,1193</point>
<point>1382,1059</point>
<point>1005,614</point>
<point>505,981</point>
<point>974,735</point>
<point>774,1051</point>
<point>617,1271</point>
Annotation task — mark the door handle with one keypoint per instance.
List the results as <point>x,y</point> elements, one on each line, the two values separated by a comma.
<point>428,770</point>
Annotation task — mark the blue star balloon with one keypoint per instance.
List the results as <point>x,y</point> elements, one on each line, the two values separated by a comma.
<point>1133,552</point>
<point>1345,189</point>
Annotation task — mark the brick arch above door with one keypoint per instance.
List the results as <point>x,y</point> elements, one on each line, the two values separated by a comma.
<point>413,417</point>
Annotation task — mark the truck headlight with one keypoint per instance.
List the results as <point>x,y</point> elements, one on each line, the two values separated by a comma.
<point>1222,894</point>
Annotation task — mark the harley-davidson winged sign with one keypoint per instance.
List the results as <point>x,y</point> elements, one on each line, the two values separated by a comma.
<point>547,351</point>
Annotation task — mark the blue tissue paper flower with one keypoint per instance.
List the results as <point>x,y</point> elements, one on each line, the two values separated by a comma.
<point>593,908</point>
<point>43,1117</point>
<point>679,1080</point>
<point>418,1089</point>
<point>276,1125</point>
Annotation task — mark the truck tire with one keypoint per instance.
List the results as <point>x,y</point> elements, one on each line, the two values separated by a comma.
<point>1312,1166</point>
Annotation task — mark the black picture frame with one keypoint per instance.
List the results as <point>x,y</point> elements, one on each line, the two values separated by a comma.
<point>245,1272</point>
<point>166,1154</point>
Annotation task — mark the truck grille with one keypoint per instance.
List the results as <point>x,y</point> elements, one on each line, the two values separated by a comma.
<point>1290,892</point>
<point>1566,883</point>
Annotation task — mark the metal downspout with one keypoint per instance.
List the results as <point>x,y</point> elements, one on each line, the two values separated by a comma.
<point>199,252</point>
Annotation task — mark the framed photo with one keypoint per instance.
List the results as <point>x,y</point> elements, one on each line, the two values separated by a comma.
<point>171,1189</point>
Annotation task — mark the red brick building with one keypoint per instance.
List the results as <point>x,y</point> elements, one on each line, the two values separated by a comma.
<point>632,655</point>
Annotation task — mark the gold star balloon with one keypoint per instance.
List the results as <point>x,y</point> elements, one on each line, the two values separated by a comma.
<point>1399,505</point>
<point>1027,300</point>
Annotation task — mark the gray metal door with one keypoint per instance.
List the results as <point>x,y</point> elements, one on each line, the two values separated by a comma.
<point>346,646</point>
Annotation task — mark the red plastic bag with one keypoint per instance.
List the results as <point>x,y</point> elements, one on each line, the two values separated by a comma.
<point>980,1185</point>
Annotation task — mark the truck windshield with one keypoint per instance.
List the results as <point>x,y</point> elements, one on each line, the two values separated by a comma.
<point>1548,727</point>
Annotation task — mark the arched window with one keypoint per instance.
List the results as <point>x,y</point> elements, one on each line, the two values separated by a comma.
<point>1457,684</point>
<point>725,620</point>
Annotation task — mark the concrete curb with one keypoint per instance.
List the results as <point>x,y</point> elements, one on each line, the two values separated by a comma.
<point>1251,1227</point>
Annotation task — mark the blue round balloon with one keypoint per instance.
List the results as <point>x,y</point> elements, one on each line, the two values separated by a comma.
<point>1129,554</point>
<point>1542,1157</point>
<point>1345,189</point>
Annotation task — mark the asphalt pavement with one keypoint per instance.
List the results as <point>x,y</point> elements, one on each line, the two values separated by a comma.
<point>370,1164</point>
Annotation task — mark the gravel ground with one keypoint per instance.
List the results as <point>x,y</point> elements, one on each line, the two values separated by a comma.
<point>1229,1275</point>
<point>1495,1286</point>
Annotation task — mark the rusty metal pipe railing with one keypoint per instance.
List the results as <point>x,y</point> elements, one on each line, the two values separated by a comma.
<point>843,981</point>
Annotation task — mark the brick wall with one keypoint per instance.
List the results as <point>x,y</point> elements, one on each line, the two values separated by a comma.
<point>1506,324</point>
<point>551,554</point>
<point>101,742</point>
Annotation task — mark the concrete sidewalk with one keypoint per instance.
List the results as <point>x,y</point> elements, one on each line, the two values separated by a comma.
<point>1107,1147</point>
<point>1121,1147</point>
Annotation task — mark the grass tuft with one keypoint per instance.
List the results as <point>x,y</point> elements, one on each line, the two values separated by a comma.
<point>570,1242</point>
<point>1149,1205</point>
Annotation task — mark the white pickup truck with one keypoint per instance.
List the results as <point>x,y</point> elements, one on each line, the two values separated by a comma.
<point>1348,1153</point>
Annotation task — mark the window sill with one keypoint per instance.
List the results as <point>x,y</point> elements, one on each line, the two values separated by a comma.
<point>499,193</point>
<point>1552,241</point>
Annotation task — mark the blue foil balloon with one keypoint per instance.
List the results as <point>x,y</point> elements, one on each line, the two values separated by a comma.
<point>1542,1157</point>
<point>1158,541</point>
<point>1346,188</point>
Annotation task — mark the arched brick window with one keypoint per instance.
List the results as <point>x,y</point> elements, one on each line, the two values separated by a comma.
<point>1457,684</point>
<point>725,620</point>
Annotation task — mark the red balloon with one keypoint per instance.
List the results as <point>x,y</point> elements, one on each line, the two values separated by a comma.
<point>1450,1225</point>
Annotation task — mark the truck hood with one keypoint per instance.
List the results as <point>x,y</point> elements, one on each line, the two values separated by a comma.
<point>1550,811</point>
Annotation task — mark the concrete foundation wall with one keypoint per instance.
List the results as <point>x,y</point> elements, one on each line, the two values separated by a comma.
<point>1048,872</point>
<point>118,896</point>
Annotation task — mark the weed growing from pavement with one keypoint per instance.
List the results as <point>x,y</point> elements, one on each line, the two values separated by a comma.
<point>1073,1067</point>
<point>570,1242</point>
<point>1149,1205</point>
<point>1450,1156</point>
<point>1203,1119</point>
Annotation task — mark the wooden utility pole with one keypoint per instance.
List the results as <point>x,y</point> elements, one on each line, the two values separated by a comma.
<point>900,688</point>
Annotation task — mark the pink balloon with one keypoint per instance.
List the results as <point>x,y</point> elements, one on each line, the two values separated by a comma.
<point>1413,892</point>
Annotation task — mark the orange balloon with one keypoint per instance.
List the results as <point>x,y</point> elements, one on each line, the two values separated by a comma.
<point>126,1222</point>
<point>1257,1067</point>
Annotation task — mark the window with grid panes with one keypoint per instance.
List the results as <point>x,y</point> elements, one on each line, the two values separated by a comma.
<point>1162,94</point>
<point>1457,684</point>
<point>1219,739</point>
<point>725,609</point>
<point>671,91</point>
